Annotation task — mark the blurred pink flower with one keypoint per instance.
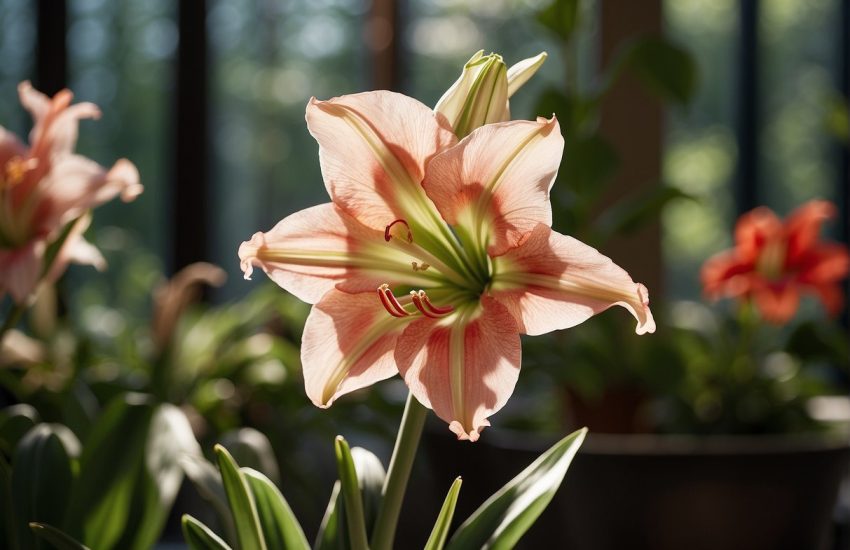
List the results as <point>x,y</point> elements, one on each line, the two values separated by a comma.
<point>46,186</point>
<point>774,262</point>
<point>454,237</point>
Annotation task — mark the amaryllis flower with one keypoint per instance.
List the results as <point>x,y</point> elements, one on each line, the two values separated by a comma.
<point>773,262</point>
<point>433,256</point>
<point>45,186</point>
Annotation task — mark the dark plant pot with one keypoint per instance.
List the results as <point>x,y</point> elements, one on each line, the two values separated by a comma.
<point>665,492</point>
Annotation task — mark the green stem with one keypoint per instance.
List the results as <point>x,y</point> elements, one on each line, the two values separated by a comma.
<point>11,320</point>
<point>407,441</point>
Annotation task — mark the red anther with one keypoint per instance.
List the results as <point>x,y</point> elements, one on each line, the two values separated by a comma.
<point>439,310</point>
<point>390,303</point>
<point>388,235</point>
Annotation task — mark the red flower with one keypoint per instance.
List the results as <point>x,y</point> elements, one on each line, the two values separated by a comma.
<point>774,262</point>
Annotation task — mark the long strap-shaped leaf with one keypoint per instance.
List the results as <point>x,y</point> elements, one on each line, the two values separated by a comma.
<point>281,529</point>
<point>249,534</point>
<point>352,496</point>
<point>506,516</point>
<point>444,520</point>
<point>57,539</point>
<point>200,537</point>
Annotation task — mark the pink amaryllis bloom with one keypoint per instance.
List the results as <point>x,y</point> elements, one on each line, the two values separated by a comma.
<point>433,256</point>
<point>45,186</point>
<point>773,262</point>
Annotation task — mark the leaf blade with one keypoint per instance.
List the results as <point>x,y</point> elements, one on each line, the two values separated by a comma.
<point>200,537</point>
<point>281,529</point>
<point>242,505</point>
<point>440,532</point>
<point>507,515</point>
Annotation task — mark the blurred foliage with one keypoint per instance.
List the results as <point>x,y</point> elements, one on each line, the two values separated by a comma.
<point>742,376</point>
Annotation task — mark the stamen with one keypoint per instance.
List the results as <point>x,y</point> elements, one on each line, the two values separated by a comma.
<point>418,267</point>
<point>439,310</point>
<point>424,305</point>
<point>388,300</point>
<point>388,233</point>
<point>14,171</point>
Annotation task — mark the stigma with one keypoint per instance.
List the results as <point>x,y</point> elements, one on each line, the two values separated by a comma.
<point>389,232</point>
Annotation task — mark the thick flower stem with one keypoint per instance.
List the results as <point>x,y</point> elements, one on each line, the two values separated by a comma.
<point>407,441</point>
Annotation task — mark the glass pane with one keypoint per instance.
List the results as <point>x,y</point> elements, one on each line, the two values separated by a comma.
<point>700,151</point>
<point>120,57</point>
<point>268,59</point>
<point>799,50</point>
<point>17,48</point>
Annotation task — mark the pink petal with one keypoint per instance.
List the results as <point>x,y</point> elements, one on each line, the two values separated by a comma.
<point>322,247</point>
<point>348,344</point>
<point>10,147</point>
<point>464,369</point>
<point>499,178</point>
<point>551,281</point>
<point>76,249</point>
<point>76,184</point>
<point>20,270</point>
<point>56,120</point>
<point>373,148</point>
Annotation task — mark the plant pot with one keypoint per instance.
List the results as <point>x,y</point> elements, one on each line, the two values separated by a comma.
<point>665,492</point>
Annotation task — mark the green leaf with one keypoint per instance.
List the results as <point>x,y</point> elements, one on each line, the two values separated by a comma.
<point>207,481</point>
<point>370,479</point>
<point>42,478</point>
<point>15,421</point>
<point>109,471</point>
<point>332,532</point>
<point>242,505</point>
<point>252,449</point>
<point>200,537</point>
<point>281,529</point>
<point>587,163</point>
<point>58,540</point>
<point>444,520</point>
<point>632,213</point>
<point>577,114</point>
<point>506,516</point>
<point>159,477</point>
<point>352,496</point>
<point>667,70</point>
<point>561,17</point>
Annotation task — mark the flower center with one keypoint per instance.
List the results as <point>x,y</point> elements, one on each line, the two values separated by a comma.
<point>14,171</point>
<point>771,261</point>
<point>419,299</point>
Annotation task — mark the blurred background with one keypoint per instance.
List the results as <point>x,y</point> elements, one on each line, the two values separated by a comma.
<point>679,116</point>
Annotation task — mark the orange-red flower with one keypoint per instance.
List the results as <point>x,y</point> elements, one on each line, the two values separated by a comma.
<point>773,262</point>
<point>46,186</point>
<point>454,237</point>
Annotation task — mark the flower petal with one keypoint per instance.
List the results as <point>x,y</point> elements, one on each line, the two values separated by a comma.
<point>777,303</point>
<point>802,227</point>
<point>495,183</point>
<point>348,344</point>
<point>478,97</point>
<point>10,147</point>
<point>56,120</point>
<point>76,184</point>
<point>824,263</point>
<point>20,270</point>
<point>725,275</point>
<point>76,249</point>
<point>522,71</point>
<point>373,148</point>
<point>551,281</point>
<point>754,230</point>
<point>322,247</point>
<point>464,367</point>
